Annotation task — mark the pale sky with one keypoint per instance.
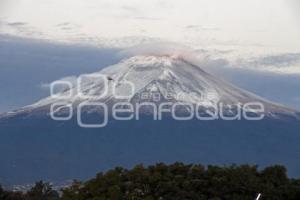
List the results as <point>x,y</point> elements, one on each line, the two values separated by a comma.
<point>272,25</point>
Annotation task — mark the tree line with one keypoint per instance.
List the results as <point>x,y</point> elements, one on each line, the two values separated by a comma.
<point>176,181</point>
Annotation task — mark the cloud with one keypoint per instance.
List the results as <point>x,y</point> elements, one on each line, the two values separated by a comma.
<point>201,57</point>
<point>279,60</point>
<point>67,26</point>
<point>157,49</point>
<point>17,24</point>
<point>201,28</point>
<point>285,63</point>
<point>147,18</point>
<point>130,9</point>
<point>5,6</point>
<point>23,28</point>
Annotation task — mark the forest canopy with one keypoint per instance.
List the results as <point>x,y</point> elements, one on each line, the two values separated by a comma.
<point>176,181</point>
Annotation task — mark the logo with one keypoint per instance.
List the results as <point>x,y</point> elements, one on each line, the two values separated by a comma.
<point>111,99</point>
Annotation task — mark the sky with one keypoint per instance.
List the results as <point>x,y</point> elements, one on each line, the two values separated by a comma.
<point>255,40</point>
<point>199,23</point>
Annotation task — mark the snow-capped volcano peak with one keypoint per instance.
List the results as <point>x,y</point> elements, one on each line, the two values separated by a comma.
<point>155,79</point>
<point>140,77</point>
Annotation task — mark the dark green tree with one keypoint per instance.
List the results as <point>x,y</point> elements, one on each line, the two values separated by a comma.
<point>42,191</point>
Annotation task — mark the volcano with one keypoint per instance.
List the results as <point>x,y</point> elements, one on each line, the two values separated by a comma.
<point>45,141</point>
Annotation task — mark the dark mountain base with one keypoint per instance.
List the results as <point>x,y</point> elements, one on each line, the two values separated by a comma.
<point>35,148</point>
